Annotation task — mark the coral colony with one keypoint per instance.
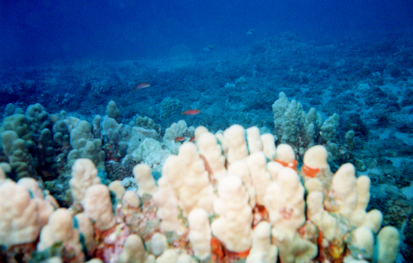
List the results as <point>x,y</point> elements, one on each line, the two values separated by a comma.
<point>228,196</point>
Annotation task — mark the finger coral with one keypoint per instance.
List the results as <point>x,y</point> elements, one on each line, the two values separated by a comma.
<point>229,197</point>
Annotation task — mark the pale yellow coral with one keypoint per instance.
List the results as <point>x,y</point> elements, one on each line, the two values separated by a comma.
<point>21,217</point>
<point>144,179</point>
<point>84,174</point>
<point>98,207</point>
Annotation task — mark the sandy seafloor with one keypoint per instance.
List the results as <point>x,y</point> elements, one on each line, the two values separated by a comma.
<point>368,83</point>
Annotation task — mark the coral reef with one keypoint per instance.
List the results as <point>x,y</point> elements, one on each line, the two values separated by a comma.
<point>170,107</point>
<point>301,130</point>
<point>369,84</point>
<point>227,197</point>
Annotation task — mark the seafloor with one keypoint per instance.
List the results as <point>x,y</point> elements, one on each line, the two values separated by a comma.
<point>368,83</point>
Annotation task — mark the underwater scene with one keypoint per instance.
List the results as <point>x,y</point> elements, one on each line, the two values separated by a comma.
<point>187,131</point>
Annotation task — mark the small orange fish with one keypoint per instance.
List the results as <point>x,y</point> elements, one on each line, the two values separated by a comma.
<point>179,139</point>
<point>192,139</point>
<point>142,85</point>
<point>191,112</point>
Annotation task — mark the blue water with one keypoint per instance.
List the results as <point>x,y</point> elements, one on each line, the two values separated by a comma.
<point>229,59</point>
<point>34,32</point>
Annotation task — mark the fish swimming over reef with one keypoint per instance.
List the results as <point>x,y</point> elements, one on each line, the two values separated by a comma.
<point>183,139</point>
<point>191,112</point>
<point>180,139</point>
<point>142,85</point>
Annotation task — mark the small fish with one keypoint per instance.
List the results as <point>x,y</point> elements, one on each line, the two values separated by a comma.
<point>191,112</point>
<point>192,139</point>
<point>251,32</point>
<point>142,85</point>
<point>179,139</point>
